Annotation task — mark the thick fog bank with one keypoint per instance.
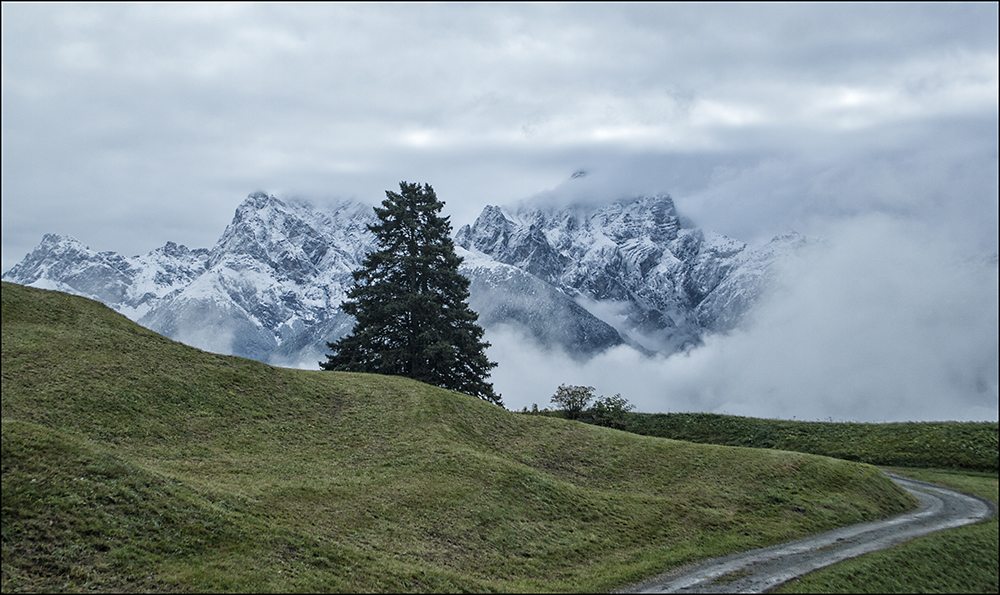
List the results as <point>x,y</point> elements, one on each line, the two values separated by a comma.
<point>882,320</point>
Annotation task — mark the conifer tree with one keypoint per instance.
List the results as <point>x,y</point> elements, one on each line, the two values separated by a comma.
<point>411,303</point>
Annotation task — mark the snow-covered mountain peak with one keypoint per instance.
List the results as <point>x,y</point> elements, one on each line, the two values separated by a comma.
<point>580,278</point>
<point>633,251</point>
<point>257,201</point>
<point>53,240</point>
<point>293,239</point>
<point>62,261</point>
<point>61,244</point>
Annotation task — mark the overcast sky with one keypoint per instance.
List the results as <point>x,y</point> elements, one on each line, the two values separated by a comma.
<point>127,126</point>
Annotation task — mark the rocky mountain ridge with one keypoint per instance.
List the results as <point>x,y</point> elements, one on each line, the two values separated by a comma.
<point>667,284</point>
<point>575,279</point>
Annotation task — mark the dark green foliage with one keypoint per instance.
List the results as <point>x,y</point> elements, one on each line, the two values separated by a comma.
<point>573,399</point>
<point>610,412</point>
<point>411,303</point>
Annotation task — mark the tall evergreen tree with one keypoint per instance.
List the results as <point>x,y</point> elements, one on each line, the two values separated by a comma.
<point>411,303</point>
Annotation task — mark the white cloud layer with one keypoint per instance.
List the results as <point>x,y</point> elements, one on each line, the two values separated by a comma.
<point>882,321</point>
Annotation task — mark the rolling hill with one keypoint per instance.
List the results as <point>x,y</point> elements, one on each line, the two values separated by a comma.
<point>132,462</point>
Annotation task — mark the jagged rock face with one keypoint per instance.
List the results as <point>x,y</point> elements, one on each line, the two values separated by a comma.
<point>504,295</point>
<point>278,269</point>
<point>672,284</point>
<point>132,285</point>
<point>574,279</point>
<point>104,276</point>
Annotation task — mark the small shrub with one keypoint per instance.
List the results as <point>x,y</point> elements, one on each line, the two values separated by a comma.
<point>573,399</point>
<point>611,411</point>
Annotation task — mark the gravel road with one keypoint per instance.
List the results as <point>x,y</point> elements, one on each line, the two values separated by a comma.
<point>759,570</point>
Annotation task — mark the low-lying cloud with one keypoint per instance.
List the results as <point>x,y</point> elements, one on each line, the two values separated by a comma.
<point>881,320</point>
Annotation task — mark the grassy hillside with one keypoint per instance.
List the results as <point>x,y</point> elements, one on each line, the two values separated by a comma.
<point>962,560</point>
<point>131,462</point>
<point>965,445</point>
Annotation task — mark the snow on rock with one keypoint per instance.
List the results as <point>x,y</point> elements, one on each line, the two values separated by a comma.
<point>670,285</point>
<point>578,279</point>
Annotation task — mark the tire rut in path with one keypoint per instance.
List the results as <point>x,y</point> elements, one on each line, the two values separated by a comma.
<point>758,570</point>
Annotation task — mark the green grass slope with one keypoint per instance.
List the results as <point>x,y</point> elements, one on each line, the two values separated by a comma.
<point>134,463</point>
<point>956,445</point>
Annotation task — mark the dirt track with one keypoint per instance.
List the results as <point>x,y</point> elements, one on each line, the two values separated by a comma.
<point>759,570</point>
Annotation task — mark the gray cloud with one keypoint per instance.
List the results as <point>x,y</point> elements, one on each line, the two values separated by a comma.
<point>119,118</point>
<point>131,125</point>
